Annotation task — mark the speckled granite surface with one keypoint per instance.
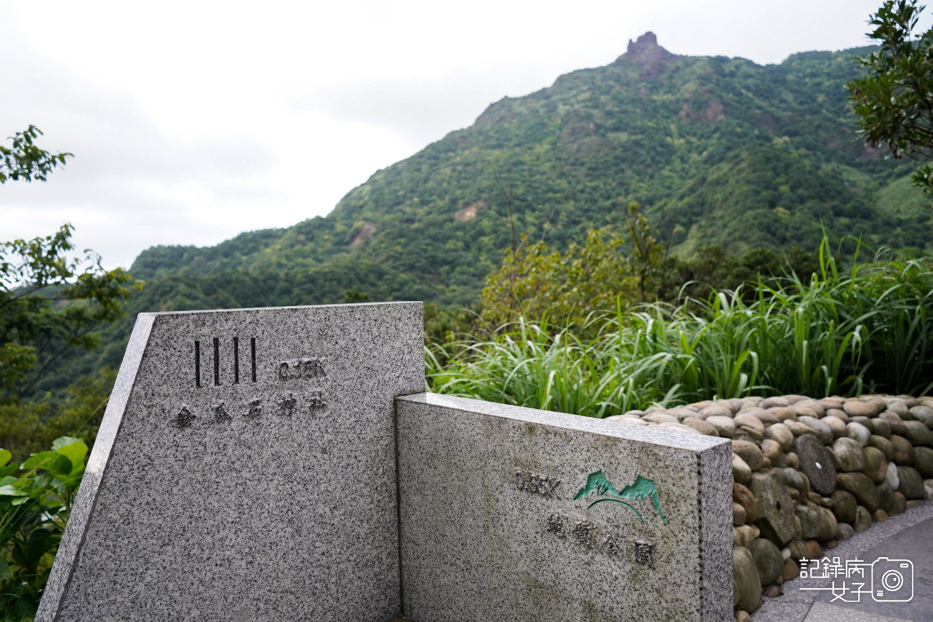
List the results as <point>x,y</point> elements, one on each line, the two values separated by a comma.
<point>491,529</point>
<point>246,470</point>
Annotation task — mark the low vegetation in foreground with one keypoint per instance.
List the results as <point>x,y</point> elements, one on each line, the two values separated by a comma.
<point>868,328</point>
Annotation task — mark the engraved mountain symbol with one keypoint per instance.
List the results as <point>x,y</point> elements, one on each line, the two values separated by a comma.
<point>643,488</point>
<point>598,484</point>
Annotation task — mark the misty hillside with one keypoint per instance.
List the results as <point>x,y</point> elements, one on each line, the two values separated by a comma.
<point>732,153</point>
<point>719,151</point>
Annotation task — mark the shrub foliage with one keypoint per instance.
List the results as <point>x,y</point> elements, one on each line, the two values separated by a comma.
<point>869,328</point>
<point>35,501</point>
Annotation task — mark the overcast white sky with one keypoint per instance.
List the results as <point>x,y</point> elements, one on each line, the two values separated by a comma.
<point>193,121</point>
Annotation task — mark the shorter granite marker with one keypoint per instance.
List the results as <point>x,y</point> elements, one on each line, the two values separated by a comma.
<point>511,513</point>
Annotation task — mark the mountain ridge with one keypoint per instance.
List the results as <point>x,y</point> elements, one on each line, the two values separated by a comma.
<point>720,151</point>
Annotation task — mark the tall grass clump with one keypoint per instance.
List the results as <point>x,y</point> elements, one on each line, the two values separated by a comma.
<point>526,366</point>
<point>833,332</point>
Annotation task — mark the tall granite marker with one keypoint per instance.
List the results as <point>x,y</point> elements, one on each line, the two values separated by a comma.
<point>245,470</point>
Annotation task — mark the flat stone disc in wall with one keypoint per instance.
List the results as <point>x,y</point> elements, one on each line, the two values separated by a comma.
<point>816,463</point>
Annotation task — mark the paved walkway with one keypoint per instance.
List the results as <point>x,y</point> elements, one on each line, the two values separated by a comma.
<point>907,536</point>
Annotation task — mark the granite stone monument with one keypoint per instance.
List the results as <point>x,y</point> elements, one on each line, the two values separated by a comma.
<point>245,470</point>
<point>285,464</point>
<point>511,513</point>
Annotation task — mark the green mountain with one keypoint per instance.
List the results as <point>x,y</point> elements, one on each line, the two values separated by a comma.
<point>732,153</point>
<point>719,152</point>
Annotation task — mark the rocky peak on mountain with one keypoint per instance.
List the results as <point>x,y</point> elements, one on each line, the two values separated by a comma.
<point>646,53</point>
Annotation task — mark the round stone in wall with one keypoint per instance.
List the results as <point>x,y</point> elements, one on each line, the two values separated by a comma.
<point>816,463</point>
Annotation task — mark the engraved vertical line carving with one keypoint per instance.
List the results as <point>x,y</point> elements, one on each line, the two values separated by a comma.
<point>252,351</point>
<point>236,360</point>
<point>197,363</point>
<point>216,361</point>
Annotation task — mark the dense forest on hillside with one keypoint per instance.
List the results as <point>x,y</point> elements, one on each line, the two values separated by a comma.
<point>732,153</point>
<point>720,152</point>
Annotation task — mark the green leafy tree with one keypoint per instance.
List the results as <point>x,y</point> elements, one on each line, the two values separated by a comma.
<point>894,99</point>
<point>534,282</point>
<point>649,258</point>
<point>23,160</point>
<point>51,301</point>
<point>32,425</point>
<point>352,296</point>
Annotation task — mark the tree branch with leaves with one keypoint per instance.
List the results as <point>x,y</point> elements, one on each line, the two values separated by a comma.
<point>51,301</point>
<point>894,99</point>
<point>24,161</point>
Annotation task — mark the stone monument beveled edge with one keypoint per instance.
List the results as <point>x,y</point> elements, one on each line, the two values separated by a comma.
<point>73,537</point>
<point>642,434</point>
<point>716,538</point>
